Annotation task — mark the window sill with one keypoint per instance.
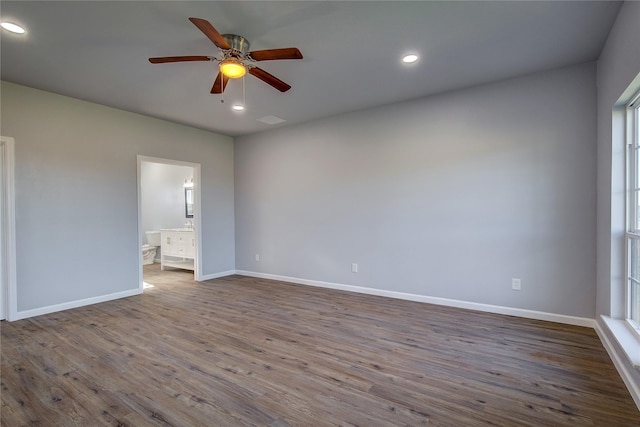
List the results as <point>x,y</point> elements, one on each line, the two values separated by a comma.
<point>628,340</point>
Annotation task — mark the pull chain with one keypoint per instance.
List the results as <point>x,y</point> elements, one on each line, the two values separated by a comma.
<point>222,87</point>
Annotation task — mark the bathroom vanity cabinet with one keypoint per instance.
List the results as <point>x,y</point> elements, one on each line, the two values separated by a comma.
<point>178,248</point>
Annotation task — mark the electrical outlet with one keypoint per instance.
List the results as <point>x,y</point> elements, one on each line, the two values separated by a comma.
<point>354,268</point>
<point>516,284</point>
<point>257,257</point>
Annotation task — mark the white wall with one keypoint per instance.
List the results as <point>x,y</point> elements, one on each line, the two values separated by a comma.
<point>162,196</point>
<point>618,66</point>
<point>449,196</point>
<point>76,194</point>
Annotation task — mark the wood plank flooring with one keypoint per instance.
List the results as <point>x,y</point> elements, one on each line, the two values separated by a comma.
<point>240,351</point>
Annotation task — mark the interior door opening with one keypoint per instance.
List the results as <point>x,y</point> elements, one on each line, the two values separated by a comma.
<point>8,286</point>
<point>168,216</point>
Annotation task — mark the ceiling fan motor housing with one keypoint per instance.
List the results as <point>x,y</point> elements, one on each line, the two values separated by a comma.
<point>237,43</point>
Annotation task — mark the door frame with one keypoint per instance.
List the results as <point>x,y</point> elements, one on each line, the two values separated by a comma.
<point>8,285</point>
<point>197,222</point>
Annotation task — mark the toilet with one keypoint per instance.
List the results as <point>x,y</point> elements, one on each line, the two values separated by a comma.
<point>149,249</point>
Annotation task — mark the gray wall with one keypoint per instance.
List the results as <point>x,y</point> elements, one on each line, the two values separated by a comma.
<point>449,196</point>
<point>76,197</point>
<point>162,196</point>
<point>618,66</point>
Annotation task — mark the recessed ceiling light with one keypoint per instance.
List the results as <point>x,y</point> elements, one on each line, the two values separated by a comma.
<point>238,107</point>
<point>14,28</point>
<point>409,59</point>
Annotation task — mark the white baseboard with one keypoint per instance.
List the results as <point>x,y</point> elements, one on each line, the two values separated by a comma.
<point>75,304</point>
<point>217,275</point>
<point>95,300</point>
<point>510,311</point>
<point>497,309</point>
<point>619,363</point>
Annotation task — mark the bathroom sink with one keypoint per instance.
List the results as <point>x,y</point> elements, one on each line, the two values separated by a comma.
<point>178,229</point>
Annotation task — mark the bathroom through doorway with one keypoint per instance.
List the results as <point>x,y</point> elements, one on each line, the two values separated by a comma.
<point>168,217</point>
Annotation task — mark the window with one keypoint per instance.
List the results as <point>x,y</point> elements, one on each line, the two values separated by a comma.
<point>633,213</point>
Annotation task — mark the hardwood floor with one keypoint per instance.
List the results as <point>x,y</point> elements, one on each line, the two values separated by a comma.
<point>244,351</point>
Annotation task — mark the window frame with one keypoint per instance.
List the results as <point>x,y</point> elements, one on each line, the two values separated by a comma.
<point>632,232</point>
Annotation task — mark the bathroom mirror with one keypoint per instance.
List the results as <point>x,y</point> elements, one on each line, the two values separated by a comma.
<point>188,202</point>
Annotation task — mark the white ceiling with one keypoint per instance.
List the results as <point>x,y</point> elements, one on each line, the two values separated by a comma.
<point>98,51</point>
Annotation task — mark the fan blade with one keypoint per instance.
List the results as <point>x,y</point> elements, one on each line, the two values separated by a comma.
<point>211,33</point>
<point>269,79</point>
<point>164,59</point>
<point>270,54</point>
<point>219,86</point>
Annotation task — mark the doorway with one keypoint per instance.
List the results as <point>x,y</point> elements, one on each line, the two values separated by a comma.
<point>8,289</point>
<point>169,216</point>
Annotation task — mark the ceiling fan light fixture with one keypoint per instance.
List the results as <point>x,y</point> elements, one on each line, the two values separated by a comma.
<point>232,68</point>
<point>238,107</point>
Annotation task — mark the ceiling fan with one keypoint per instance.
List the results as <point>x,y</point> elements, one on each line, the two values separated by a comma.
<point>236,59</point>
